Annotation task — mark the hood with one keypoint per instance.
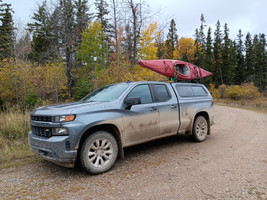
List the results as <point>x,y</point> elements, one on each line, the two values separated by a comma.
<point>65,109</point>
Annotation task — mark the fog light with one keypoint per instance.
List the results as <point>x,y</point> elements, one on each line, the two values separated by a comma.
<point>61,131</point>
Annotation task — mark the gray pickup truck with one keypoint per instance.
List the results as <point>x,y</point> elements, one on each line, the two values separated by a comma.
<point>94,130</point>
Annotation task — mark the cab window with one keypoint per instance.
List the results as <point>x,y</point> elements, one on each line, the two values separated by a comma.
<point>161,92</point>
<point>143,92</point>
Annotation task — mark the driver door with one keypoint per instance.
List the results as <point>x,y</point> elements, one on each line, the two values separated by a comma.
<point>141,122</point>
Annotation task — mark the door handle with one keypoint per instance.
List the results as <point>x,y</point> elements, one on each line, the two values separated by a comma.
<point>173,106</point>
<point>153,108</point>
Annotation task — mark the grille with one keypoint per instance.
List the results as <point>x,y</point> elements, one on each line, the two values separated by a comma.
<point>41,118</point>
<point>42,131</point>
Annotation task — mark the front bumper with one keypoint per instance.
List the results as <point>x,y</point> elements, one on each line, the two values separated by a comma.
<point>55,149</point>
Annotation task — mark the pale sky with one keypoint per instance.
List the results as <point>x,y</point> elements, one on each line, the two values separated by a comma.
<point>247,15</point>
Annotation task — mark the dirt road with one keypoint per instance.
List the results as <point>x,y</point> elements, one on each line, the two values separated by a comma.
<point>230,164</point>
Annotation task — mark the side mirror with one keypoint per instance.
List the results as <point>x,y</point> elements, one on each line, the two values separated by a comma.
<point>129,102</point>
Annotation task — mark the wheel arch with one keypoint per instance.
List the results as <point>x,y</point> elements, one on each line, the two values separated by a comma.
<point>111,128</point>
<point>206,116</point>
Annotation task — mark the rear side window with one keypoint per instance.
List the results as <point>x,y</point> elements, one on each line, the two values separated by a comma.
<point>161,92</point>
<point>143,92</point>
<point>185,91</point>
<point>199,91</point>
<point>191,91</point>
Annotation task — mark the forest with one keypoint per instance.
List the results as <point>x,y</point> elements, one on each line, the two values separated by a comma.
<point>67,50</point>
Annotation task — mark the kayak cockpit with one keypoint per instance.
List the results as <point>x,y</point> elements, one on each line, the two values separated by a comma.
<point>183,69</point>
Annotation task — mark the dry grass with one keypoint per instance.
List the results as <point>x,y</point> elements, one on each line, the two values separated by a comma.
<point>14,123</point>
<point>15,153</point>
<point>258,105</point>
<point>14,128</point>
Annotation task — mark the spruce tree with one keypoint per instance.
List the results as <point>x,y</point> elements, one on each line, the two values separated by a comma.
<point>67,34</point>
<point>82,18</point>
<point>257,68</point>
<point>233,62</point>
<point>7,37</point>
<point>101,15</point>
<point>172,39</point>
<point>161,54</point>
<point>263,61</point>
<point>209,56</point>
<point>249,59</point>
<point>217,49</point>
<point>240,62</point>
<point>42,38</point>
<point>200,42</point>
<point>259,44</point>
<point>227,66</point>
<point>128,43</point>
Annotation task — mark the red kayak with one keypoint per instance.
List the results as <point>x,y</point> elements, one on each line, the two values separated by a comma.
<point>175,69</point>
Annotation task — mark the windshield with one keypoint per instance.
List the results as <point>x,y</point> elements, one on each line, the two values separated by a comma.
<point>107,93</point>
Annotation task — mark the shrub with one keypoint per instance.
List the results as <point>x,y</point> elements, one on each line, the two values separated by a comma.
<point>246,91</point>
<point>30,101</point>
<point>233,92</point>
<point>214,92</point>
<point>1,104</point>
<point>222,91</point>
<point>249,91</point>
<point>83,88</point>
<point>265,92</point>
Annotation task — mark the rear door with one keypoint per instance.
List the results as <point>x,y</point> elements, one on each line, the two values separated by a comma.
<point>168,108</point>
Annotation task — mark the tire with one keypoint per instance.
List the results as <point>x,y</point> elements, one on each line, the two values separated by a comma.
<point>200,129</point>
<point>98,152</point>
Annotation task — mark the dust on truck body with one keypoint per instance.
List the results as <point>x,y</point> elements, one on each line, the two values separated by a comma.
<point>96,129</point>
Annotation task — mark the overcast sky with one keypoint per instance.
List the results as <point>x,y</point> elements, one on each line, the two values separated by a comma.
<point>247,15</point>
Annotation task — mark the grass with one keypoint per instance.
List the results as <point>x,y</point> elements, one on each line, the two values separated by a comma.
<point>258,105</point>
<point>14,128</point>
<point>258,192</point>
<point>14,123</point>
<point>15,153</point>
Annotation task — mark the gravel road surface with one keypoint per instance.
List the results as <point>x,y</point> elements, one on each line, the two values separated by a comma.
<point>230,164</point>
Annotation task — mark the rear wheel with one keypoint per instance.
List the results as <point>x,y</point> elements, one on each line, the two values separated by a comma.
<point>200,129</point>
<point>98,152</point>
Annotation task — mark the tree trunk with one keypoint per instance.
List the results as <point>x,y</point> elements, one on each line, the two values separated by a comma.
<point>116,37</point>
<point>133,9</point>
<point>69,67</point>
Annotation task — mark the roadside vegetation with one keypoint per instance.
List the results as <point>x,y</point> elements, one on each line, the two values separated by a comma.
<point>14,127</point>
<point>245,96</point>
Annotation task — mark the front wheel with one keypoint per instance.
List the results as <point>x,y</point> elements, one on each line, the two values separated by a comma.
<point>98,152</point>
<point>200,129</point>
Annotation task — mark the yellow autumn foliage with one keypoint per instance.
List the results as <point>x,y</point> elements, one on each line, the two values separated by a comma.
<point>19,78</point>
<point>246,91</point>
<point>13,76</point>
<point>148,48</point>
<point>185,49</point>
<point>214,92</point>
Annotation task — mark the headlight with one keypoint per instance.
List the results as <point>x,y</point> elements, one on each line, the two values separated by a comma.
<point>64,118</point>
<point>61,131</point>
